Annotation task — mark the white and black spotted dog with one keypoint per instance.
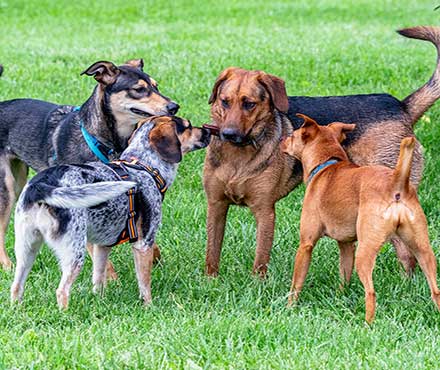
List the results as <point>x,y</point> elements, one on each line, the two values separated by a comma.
<point>69,205</point>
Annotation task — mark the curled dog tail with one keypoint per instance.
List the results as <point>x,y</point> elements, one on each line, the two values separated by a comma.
<point>403,167</point>
<point>80,196</point>
<point>420,100</point>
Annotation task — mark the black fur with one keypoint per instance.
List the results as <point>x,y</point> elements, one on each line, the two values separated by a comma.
<point>363,110</point>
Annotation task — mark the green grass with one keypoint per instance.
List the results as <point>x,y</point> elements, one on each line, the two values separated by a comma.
<point>235,321</point>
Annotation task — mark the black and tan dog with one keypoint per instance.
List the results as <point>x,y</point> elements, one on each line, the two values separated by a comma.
<point>252,112</point>
<point>349,203</point>
<point>40,134</point>
<point>69,205</point>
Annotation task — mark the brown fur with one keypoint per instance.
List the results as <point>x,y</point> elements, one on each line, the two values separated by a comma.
<point>348,203</point>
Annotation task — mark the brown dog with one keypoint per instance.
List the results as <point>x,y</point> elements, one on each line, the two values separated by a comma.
<point>348,203</point>
<point>252,112</point>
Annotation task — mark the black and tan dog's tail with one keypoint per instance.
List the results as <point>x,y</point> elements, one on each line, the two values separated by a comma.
<point>403,167</point>
<point>420,100</point>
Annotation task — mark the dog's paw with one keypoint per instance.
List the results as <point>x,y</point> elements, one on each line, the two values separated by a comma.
<point>7,265</point>
<point>111,273</point>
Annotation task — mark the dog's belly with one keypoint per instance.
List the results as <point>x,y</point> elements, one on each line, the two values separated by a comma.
<point>341,232</point>
<point>106,222</point>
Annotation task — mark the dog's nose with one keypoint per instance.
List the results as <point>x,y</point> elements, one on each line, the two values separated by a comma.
<point>172,108</point>
<point>206,135</point>
<point>231,134</point>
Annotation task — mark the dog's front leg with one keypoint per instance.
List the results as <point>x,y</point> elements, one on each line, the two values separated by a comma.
<point>217,212</point>
<point>111,273</point>
<point>143,262</point>
<point>100,268</point>
<point>265,217</point>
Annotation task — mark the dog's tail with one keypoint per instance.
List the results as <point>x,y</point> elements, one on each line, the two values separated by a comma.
<point>79,196</point>
<point>403,167</point>
<point>420,100</point>
<point>1,69</point>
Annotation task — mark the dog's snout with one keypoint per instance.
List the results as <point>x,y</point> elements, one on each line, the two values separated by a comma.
<point>231,134</point>
<point>206,136</point>
<point>172,108</point>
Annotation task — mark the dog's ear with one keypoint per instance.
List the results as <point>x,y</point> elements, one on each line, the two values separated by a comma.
<point>341,129</point>
<point>136,63</point>
<point>310,127</point>
<point>277,90</point>
<point>104,72</point>
<point>164,140</point>
<point>226,74</point>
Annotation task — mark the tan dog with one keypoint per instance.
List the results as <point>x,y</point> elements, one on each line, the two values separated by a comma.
<point>347,202</point>
<point>251,112</point>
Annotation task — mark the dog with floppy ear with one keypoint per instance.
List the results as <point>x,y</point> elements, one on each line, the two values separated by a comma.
<point>251,112</point>
<point>40,134</point>
<point>244,166</point>
<point>349,203</point>
<point>58,206</point>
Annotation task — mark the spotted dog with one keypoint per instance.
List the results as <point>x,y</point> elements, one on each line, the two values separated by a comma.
<point>40,134</point>
<point>68,206</point>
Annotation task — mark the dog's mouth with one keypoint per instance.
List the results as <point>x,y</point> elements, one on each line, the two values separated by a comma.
<point>140,112</point>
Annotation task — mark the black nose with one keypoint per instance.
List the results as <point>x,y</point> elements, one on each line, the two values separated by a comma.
<point>206,136</point>
<point>231,134</point>
<point>172,108</point>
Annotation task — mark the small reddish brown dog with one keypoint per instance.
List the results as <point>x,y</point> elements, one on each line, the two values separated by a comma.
<point>347,202</point>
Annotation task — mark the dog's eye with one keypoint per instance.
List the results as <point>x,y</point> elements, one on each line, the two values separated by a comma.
<point>140,90</point>
<point>248,105</point>
<point>225,103</point>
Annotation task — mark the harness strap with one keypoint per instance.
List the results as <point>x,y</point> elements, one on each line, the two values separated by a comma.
<point>154,172</point>
<point>129,234</point>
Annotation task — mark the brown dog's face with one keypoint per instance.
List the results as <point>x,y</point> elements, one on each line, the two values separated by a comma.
<point>130,94</point>
<point>312,137</point>
<point>172,137</point>
<point>244,101</point>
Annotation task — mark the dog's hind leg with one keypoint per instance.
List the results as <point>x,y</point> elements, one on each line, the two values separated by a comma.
<point>20,172</point>
<point>28,242</point>
<point>100,268</point>
<point>404,255</point>
<point>7,199</point>
<point>415,233</point>
<point>346,261</point>
<point>71,256</point>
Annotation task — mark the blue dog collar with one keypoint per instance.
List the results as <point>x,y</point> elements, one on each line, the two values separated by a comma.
<point>99,149</point>
<point>320,168</point>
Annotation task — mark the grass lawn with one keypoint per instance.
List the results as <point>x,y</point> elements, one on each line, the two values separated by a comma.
<point>234,321</point>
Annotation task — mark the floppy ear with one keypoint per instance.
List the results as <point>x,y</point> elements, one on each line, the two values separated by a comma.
<point>277,90</point>
<point>341,129</point>
<point>136,63</point>
<point>164,140</point>
<point>104,72</point>
<point>220,79</point>
<point>310,127</point>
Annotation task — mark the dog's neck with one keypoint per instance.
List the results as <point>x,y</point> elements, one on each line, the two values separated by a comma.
<point>140,149</point>
<point>321,154</point>
<point>100,122</point>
